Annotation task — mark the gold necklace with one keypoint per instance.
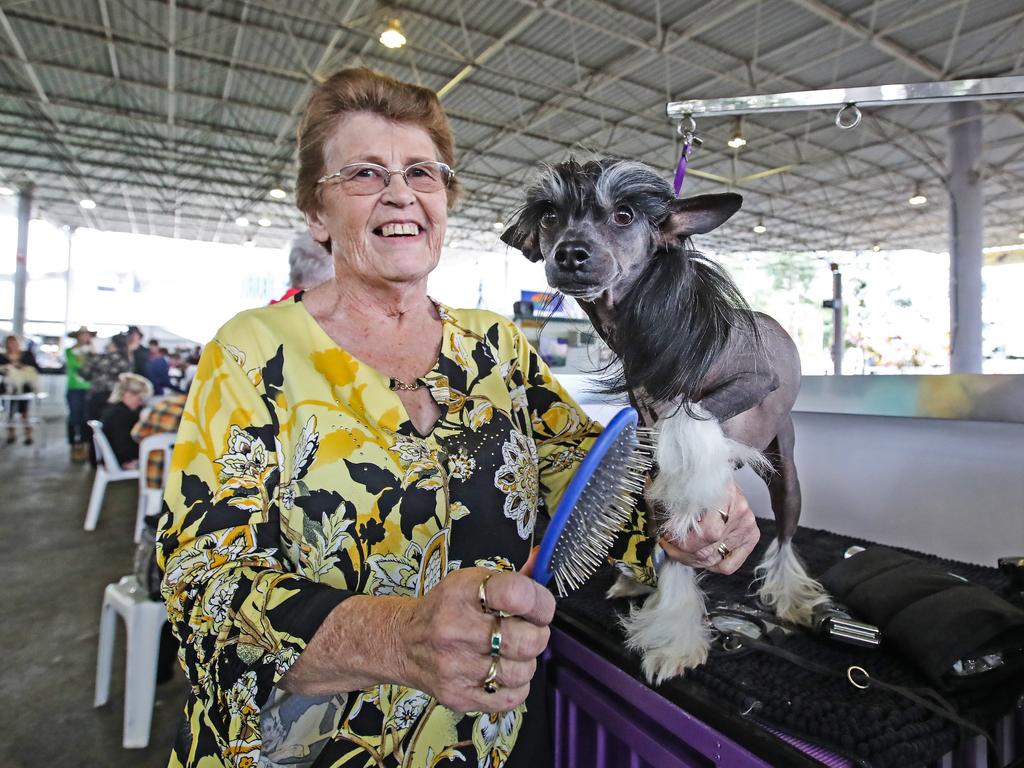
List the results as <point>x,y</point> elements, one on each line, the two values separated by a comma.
<point>398,384</point>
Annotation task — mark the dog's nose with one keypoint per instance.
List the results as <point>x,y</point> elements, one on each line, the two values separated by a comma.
<point>569,256</point>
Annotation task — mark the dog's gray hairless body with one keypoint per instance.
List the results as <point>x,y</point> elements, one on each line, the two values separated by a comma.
<point>716,378</point>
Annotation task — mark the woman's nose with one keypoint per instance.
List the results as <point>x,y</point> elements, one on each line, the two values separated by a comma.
<point>398,192</point>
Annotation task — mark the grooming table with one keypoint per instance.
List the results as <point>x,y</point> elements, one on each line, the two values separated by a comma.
<point>756,709</point>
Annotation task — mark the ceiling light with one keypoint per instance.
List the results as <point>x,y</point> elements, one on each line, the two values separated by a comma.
<point>737,139</point>
<point>87,203</point>
<point>6,191</point>
<point>876,247</point>
<point>918,198</point>
<point>263,221</point>
<point>278,194</point>
<point>242,221</point>
<point>498,225</point>
<point>392,36</point>
<point>760,228</point>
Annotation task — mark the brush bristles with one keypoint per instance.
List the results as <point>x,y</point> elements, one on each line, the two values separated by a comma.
<point>602,510</point>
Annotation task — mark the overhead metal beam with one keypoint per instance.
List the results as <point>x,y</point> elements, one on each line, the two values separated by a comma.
<point>882,43</point>
<point>111,51</point>
<point>895,94</point>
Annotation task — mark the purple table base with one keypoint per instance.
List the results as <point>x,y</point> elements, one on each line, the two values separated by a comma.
<point>604,718</point>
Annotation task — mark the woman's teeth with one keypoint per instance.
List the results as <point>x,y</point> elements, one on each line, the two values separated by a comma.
<point>390,230</point>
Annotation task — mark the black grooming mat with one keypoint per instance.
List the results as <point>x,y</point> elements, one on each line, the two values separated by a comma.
<point>874,725</point>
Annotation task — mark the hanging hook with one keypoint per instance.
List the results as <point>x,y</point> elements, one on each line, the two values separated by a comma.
<point>690,126</point>
<point>850,122</point>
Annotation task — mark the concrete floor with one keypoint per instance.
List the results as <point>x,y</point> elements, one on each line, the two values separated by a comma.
<point>53,574</point>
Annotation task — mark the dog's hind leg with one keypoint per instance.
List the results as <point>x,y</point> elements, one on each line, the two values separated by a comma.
<point>670,629</point>
<point>784,584</point>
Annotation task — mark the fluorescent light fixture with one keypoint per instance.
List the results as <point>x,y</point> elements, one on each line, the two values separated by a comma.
<point>918,198</point>
<point>263,221</point>
<point>760,228</point>
<point>6,191</point>
<point>278,194</point>
<point>392,36</point>
<point>87,203</point>
<point>242,221</point>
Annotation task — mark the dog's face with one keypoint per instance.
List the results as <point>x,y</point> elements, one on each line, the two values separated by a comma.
<point>597,224</point>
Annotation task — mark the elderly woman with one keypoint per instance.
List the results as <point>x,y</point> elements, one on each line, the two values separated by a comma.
<point>357,480</point>
<point>122,413</point>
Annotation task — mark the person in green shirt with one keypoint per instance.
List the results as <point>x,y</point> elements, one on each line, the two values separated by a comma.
<point>78,392</point>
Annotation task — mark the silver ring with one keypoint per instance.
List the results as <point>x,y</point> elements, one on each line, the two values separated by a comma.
<point>496,638</point>
<point>851,123</point>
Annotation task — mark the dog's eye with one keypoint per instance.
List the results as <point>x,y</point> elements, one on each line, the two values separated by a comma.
<point>548,219</point>
<point>623,216</point>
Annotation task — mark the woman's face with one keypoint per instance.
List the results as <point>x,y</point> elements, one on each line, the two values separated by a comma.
<point>12,346</point>
<point>356,224</point>
<point>133,400</point>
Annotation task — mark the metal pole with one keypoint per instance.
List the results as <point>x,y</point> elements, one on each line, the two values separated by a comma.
<point>966,233</point>
<point>836,305</point>
<point>21,261</point>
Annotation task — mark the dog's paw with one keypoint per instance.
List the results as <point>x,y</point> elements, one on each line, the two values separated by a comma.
<point>627,587</point>
<point>673,660</point>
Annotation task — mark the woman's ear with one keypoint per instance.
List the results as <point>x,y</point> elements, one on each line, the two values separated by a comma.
<point>317,229</point>
<point>700,214</point>
<point>522,239</point>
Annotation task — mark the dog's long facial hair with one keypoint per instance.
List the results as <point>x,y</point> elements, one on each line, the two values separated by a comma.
<point>718,379</point>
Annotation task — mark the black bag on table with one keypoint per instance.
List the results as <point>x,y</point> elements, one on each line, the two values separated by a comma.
<point>943,624</point>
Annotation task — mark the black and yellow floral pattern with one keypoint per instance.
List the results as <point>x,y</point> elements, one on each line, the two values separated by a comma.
<point>298,480</point>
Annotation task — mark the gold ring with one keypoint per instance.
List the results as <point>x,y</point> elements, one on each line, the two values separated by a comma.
<point>725,516</point>
<point>490,684</point>
<point>496,638</point>
<point>481,594</point>
<point>723,550</point>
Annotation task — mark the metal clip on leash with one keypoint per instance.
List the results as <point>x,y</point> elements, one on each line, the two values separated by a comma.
<point>687,128</point>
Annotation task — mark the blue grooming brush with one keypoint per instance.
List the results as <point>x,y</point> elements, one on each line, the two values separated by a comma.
<point>597,503</point>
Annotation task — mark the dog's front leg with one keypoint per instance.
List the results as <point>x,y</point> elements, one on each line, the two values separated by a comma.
<point>670,629</point>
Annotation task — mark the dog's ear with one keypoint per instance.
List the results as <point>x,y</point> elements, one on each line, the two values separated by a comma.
<point>700,214</point>
<point>522,239</point>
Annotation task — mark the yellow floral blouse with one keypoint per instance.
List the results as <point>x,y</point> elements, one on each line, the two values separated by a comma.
<point>298,480</point>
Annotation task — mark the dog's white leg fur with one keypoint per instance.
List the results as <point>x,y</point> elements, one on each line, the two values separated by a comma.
<point>785,586</point>
<point>670,630</point>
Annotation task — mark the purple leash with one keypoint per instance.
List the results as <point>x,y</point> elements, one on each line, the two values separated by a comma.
<point>681,168</point>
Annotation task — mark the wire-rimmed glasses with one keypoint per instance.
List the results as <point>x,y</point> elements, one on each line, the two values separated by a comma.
<point>370,178</point>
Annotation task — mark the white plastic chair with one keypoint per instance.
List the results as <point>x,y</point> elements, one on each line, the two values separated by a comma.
<point>150,498</point>
<point>144,620</point>
<point>107,471</point>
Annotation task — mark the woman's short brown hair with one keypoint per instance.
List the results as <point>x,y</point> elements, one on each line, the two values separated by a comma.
<point>363,90</point>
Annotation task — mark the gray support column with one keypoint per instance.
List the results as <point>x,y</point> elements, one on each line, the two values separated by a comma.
<point>966,235</point>
<point>21,263</point>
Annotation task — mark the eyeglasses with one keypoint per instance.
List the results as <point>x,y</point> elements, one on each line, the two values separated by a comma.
<point>370,178</point>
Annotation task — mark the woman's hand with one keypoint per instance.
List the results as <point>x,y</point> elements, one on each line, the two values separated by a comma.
<point>447,639</point>
<point>725,539</point>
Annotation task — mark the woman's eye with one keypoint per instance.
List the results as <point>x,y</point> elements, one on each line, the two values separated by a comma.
<point>548,219</point>
<point>623,216</point>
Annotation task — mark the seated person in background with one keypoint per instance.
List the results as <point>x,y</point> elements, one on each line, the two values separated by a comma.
<point>309,265</point>
<point>121,414</point>
<point>158,371</point>
<point>163,416</point>
<point>20,377</point>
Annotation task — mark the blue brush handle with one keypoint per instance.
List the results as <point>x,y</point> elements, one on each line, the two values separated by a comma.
<point>622,420</point>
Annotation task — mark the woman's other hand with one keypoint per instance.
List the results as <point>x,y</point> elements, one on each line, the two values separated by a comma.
<point>724,540</point>
<point>448,639</point>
